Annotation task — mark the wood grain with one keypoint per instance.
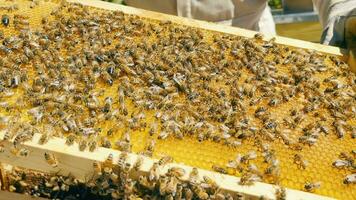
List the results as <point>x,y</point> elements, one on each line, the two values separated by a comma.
<point>5,195</point>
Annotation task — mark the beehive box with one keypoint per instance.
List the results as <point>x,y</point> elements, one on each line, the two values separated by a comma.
<point>221,59</point>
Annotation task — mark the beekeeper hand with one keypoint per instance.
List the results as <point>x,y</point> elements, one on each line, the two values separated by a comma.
<point>339,21</point>
<point>350,39</point>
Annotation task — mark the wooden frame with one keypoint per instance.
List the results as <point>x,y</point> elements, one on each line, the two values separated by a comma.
<point>78,163</point>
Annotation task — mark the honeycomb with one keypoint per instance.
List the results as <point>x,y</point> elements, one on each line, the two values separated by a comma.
<point>190,151</point>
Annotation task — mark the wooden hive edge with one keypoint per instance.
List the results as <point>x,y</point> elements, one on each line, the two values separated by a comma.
<point>212,26</point>
<point>78,163</point>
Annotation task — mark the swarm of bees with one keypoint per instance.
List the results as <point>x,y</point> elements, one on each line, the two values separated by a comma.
<point>87,68</point>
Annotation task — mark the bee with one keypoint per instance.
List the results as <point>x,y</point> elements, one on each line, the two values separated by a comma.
<point>281,193</point>
<point>153,128</point>
<point>232,143</point>
<point>258,36</point>
<point>165,160</point>
<point>219,169</point>
<point>93,145</point>
<point>5,20</point>
<point>51,159</point>
<point>273,102</point>
<point>44,138</point>
<point>300,162</point>
<point>21,137</point>
<point>153,173</point>
<point>176,172</point>
<point>341,163</point>
<point>212,184</point>
<point>307,140</point>
<point>70,139</point>
<point>349,179</point>
<point>116,127</point>
<point>340,131</point>
<point>123,145</point>
<point>311,187</point>
<point>200,192</point>
<point>105,142</point>
<point>108,104</point>
<point>144,182</point>
<point>249,156</point>
<point>83,144</point>
<point>249,179</point>
<point>138,163</point>
<point>107,78</point>
<point>24,152</point>
<point>163,135</point>
<point>163,184</point>
<point>194,175</point>
<point>109,161</point>
<point>97,167</point>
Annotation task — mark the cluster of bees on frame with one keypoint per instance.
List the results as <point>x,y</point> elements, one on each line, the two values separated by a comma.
<point>113,181</point>
<point>222,88</point>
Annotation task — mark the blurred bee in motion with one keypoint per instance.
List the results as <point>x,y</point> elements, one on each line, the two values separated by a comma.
<point>51,159</point>
<point>311,187</point>
<point>300,162</point>
<point>5,20</point>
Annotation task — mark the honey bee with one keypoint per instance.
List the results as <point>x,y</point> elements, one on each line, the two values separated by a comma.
<point>165,160</point>
<point>153,128</point>
<point>340,131</point>
<point>138,163</point>
<point>219,169</point>
<point>163,135</point>
<point>200,192</point>
<point>5,20</point>
<point>143,181</point>
<point>83,144</point>
<point>301,163</point>
<point>349,179</point>
<point>24,152</point>
<point>51,159</point>
<point>307,140</point>
<point>251,155</point>
<point>22,137</point>
<point>311,187</point>
<point>44,138</point>
<point>249,179</point>
<point>97,167</point>
<point>176,172</point>
<point>70,139</point>
<point>258,36</point>
<point>281,193</point>
<point>194,175</point>
<point>108,104</point>
<point>153,173</point>
<point>341,163</point>
<point>93,145</point>
<point>105,142</point>
<point>123,145</point>
<point>109,161</point>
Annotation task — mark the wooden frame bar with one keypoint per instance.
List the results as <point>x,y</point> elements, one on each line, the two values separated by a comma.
<point>79,164</point>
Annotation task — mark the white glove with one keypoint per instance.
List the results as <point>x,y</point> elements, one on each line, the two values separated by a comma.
<point>336,31</point>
